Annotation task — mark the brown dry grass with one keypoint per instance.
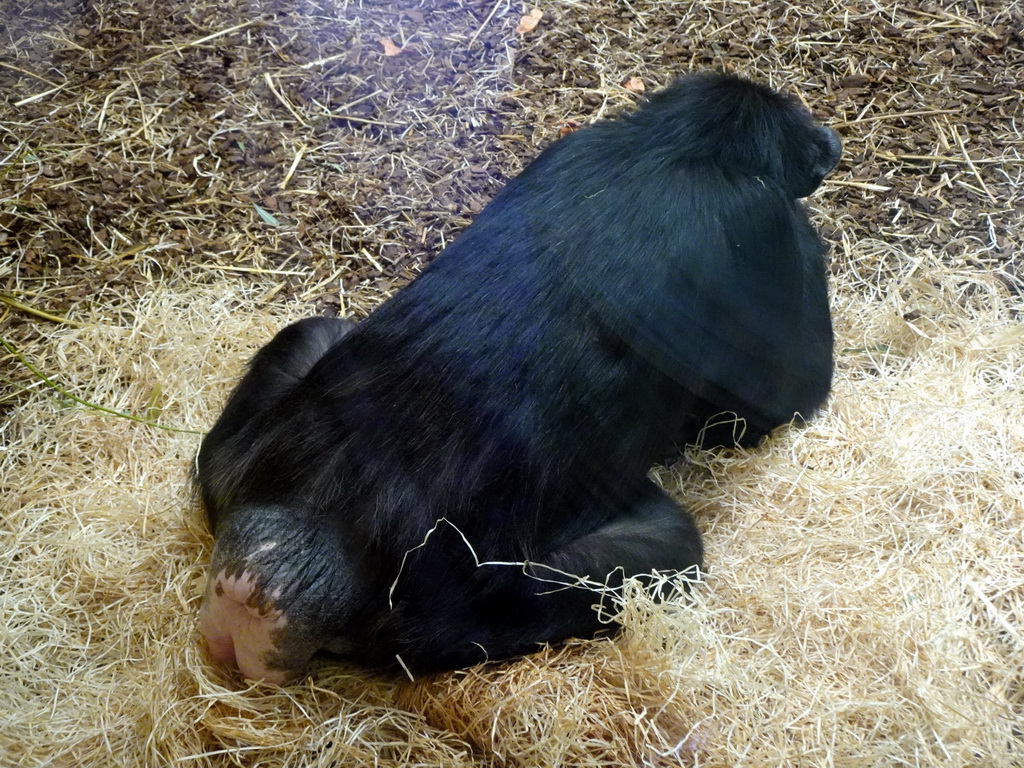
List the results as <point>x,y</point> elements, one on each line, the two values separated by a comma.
<point>866,600</point>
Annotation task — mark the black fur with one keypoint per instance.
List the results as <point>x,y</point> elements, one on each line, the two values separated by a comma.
<point>640,276</point>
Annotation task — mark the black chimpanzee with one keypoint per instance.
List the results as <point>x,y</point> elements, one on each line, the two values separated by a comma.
<point>419,489</point>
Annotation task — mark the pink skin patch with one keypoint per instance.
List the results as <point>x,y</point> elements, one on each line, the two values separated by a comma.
<point>238,626</point>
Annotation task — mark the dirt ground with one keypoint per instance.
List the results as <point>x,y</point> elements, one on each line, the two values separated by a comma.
<point>136,150</point>
<point>177,180</point>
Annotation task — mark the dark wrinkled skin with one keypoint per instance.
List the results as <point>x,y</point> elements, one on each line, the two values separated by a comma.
<point>640,276</point>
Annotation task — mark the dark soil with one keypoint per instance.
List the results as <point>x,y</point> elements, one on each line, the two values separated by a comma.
<point>143,142</point>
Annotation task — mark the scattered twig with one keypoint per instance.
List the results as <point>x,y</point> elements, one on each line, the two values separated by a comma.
<point>970,163</point>
<point>208,38</point>
<point>26,72</point>
<point>895,116</point>
<point>28,309</point>
<point>857,184</point>
<point>40,96</point>
<point>486,21</point>
<point>295,164</point>
<point>92,406</point>
<point>949,159</point>
<point>251,270</point>
<point>280,97</point>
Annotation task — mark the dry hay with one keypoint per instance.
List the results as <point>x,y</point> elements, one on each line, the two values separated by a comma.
<point>866,599</point>
<point>864,605</point>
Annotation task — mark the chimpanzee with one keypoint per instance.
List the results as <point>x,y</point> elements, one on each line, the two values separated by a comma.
<point>430,488</point>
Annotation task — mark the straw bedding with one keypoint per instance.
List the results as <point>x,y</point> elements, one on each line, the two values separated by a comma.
<point>865,605</point>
